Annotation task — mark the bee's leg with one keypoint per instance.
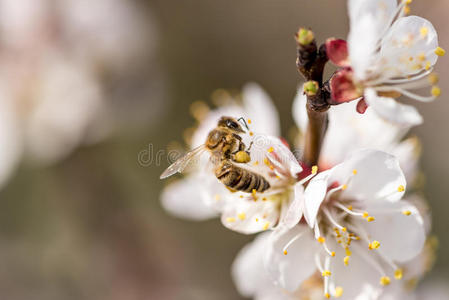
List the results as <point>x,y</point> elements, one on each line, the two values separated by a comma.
<point>250,145</point>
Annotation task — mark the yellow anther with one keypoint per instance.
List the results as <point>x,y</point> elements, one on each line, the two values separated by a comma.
<point>251,133</point>
<point>422,57</point>
<point>348,252</point>
<point>217,197</point>
<point>321,239</point>
<point>266,161</point>
<point>266,225</point>
<point>271,149</point>
<point>408,2</point>
<point>440,51</point>
<point>326,273</point>
<point>241,216</point>
<point>424,31</point>
<point>398,274</point>
<point>406,212</point>
<point>230,220</point>
<point>354,171</point>
<point>285,252</point>
<point>350,207</point>
<point>436,91</point>
<point>344,229</point>
<point>256,163</point>
<point>249,121</point>
<point>433,78</point>
<point>257,219</point>
<point>407,10</point>
<point>346,260</point>
<point>385,280</point>
<point>374,245</point>
<point>370,219</point>
<point>241,196</point>
<point>314,169</point>
<point>327,295</point>
<point>264,199</point>
<point>242,157</point>
<point>338,292</point>
<point>333,253</point>
<point>344,187</point>
<point>401,188</point>
<point>365,214</point>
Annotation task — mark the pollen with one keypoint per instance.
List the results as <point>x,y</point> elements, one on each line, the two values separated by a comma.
<point>346,260</point>
<point>242,157</point>
<point>338,292</point>
<point>266,225</point>
<point>406,213</point>
<point>433,78</point>
<point>421,57</point>
<point>407,10</point>
<point>266,161</point>
<point>385,280</point>
<point>321,239</point>
<point>348,252</point>
<point>230,220</point>
<point>365,214</point>
<point>249,121</point>
<point>285,252</point>
<point>424,31</point>
<point>374,245</point>
<point>401,188</point>
<point>370,219</point>
<point>350,207</point>
<point>314,169</point>
<point>408,2</point>
<point>333,253</point>
<point>251,133</point>
<point>326,273</point>
<point>398,274</point>
<point>217,197</point>
<point>257,219</point>
<point>436,91</point>
<point>271,149</point>
<point>241,196</point>
<point>344,187</point>
<point>327,295</point>
<point>264,199</point>
<point>440,51</point>
<point>354,171</point>
<point>256,163</point>
<point>241,216</point>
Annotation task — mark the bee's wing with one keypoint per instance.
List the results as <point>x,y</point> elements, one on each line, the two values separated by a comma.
<point>180,164</point>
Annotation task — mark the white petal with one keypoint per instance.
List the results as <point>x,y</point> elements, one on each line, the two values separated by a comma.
<point>378,176</point>
<point>290,270</point>
<point>299,110</point>
<point>295,209</point>
<point>261,110</point>
<point>405,40</point>
<point>391,110</point>
<point>408,153</point>
<point>248,272</point>
<point>401,237</point>
<point>247,216</point>
<point>383,10</point>
<point>314,196</point>
<point>183,198</point>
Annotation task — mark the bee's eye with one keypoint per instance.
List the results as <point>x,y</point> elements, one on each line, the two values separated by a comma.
<point>232,124</point>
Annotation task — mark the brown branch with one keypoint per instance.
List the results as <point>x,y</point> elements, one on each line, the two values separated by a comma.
<point>310,63</point>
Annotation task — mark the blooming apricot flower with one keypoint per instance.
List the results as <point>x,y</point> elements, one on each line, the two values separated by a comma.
<point>361,229</point>
<point>387,55</point>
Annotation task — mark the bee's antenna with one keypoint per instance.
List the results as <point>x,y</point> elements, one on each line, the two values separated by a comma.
<point>244,122</point>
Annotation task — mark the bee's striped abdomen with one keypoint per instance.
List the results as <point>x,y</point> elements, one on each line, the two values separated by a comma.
<point>241,179</point>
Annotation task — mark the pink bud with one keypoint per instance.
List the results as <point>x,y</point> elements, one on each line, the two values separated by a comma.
<point>343,88</point>
<point>361,106</point>
<point>337,51</point>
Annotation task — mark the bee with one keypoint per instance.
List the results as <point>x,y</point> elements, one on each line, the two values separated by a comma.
<point>227,149</point>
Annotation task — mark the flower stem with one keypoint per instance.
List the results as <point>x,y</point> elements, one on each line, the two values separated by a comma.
<point>310,63</point>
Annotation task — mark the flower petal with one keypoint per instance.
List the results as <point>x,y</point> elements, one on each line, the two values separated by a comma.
<point>409,46</point>
<point>295,209</point>
<point>290,270</point>
<point>391,110</point>
<point>314,196</point>
<point>248,271</point>
<point>378,176</point>
<point>248,215</point>
<point>183,198</point>
<point>299,110</point>
<point>261,110</point>
<point>402,236</point>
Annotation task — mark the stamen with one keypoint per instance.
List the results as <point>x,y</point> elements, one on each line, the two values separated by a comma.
<point>408,93</point>
<point>374,245</point>
<point>230,220</point>
<point>401,188</point>
<point>349,210</point>
<point>266,225</point>
<point>338,292</point>
<point>385,280</point>
<point>398,274</point>
<point>440,51</point>
<point>241,216</point>
<point>291,242</point>
<point>249,121</point>
<point>436,91</point>
<point>307,178</point>
<point>406,212</point>
<point>271,149</point>
<point>424,31</point>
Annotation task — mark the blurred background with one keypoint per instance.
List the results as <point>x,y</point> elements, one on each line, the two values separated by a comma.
<point>85,86</point>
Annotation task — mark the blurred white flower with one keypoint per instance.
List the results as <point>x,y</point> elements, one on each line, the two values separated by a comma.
<point>361,229</point>
<point>387,55</point>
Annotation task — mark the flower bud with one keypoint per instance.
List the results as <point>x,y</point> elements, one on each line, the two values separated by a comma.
<point>304,36</point>
<point>311,88</point>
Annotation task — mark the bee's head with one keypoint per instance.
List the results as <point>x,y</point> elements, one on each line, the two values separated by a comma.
<point>231,124</point>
